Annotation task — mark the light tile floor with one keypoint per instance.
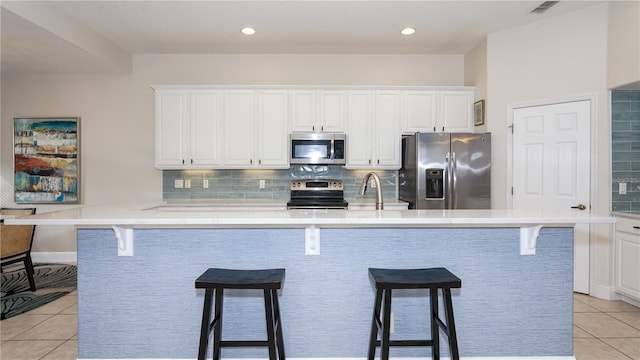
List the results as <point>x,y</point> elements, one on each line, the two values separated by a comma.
<point>603,330</point>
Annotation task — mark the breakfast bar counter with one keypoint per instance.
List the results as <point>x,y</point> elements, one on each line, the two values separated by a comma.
<point>177,214</point>
<point>137,266</point>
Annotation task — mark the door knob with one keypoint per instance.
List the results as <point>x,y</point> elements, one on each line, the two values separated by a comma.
<point>579,207</point>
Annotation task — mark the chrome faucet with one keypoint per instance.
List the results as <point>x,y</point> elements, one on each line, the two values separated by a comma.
<point>363,189</point>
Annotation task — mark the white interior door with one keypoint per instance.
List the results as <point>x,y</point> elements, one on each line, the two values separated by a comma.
<point>551,158</point>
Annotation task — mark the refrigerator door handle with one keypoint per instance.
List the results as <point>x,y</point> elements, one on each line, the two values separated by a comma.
<point>454,178</point>
<point>447,182</point>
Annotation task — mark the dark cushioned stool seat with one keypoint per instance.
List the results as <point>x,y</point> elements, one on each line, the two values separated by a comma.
<point>433,279</point>
<point>215,281</point>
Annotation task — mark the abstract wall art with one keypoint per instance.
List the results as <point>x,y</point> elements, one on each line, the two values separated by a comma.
<point>47,160</point>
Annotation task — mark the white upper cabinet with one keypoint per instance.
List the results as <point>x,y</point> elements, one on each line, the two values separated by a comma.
<point>420,111</point>
<point>244,128</point>
<point>360,134</point>
<point>187,128</point>
<point>318,110</point>
<point>239,128</point>
<point>205,129</point>
<point>273,131</point>
<point>256,131</point>
<point>373,139</point>
<point>388,136</point>
<point>437,111</point>
<point>456,111</point>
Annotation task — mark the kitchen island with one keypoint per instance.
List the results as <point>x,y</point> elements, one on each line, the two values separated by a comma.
<point>145,306</point>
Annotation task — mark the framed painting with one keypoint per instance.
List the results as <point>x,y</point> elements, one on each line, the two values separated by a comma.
<point>478,113</point>
<point>46,165</point>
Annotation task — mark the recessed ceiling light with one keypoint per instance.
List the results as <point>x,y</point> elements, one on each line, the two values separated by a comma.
<point>408,31</point>
<point>248,31</point>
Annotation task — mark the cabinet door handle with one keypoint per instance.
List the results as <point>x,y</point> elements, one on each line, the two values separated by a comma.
<point>182,161</point>
<point>637,227</point>
<point>250,161</point>
<point>260,162</point>
<point>443,129</point>
<point>434,129</point>
<point>191,161</point>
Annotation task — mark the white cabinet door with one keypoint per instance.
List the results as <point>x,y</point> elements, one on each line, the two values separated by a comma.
<point>388,130</point>
<point>318,110</point>
<point>171,128</point>
<point>187,128</point>
<point>272,129</point>
<point>205,128</point>
<point>331,111</point>
<point>239,128</point>
<point>303,110</point>
<point>360,121</point>
<point>420,111</point>
<point>373,140</point>
<point>437,111</point>
<point>627,253</point>
<point>456,111</point>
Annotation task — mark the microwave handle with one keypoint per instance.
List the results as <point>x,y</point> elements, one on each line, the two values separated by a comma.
<point>332,155</point>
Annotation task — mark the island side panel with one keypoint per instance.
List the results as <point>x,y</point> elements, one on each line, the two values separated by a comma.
<point>146,306</point>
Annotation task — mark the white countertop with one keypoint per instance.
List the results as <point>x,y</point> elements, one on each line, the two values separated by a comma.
<point>627,214</point>
<point>161,215</point>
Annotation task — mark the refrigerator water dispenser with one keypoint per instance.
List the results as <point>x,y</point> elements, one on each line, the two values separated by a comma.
<point>435,183</point>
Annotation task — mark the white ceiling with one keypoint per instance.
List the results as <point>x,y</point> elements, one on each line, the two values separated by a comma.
<point>101,36</point>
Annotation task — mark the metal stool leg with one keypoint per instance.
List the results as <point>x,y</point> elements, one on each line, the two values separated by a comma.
<point>268,307</point>
<point>386,326</point>
<point>217,327</point>
<point>278,324</point>
<point>451,327</point>
<point>204,328</point>
<point>375,323</point>
<point>435,329</point>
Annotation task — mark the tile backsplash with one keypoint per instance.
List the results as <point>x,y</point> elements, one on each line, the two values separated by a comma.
<point>625,153</point>
<point>245,184</point>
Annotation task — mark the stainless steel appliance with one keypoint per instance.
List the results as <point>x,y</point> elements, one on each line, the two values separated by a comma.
<point>317,194</point>
<point>446,171</point>
<point>318,148</point>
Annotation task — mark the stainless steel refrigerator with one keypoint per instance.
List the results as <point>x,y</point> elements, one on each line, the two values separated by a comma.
<point>446,171</point>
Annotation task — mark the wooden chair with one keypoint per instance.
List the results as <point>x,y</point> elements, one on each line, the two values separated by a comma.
<point>16,241</point>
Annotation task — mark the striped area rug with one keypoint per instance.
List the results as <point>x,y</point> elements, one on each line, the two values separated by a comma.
<point>52,282</point>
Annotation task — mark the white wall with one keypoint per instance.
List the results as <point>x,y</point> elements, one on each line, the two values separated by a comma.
<point>475,74</point>
<point>117,126</point>
<point>624,44</point>
<point>551,60</point>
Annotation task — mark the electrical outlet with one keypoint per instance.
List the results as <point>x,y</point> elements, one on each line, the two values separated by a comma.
<point>178,184</point>
<point>187,183</point>
<point>622,188</point>
<point>262,185</point>
<point>205,183</point>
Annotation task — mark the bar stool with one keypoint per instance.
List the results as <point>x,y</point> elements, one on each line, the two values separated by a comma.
<point>215,281</point>
<point>433,279</point>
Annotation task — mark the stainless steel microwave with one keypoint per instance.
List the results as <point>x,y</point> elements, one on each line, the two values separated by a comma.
<point>318,148</point>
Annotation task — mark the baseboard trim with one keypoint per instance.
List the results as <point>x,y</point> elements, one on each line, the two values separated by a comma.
<point>606,293</point>
<point>55,257</point>
<point>403,358</point>
<point>629,300</point>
